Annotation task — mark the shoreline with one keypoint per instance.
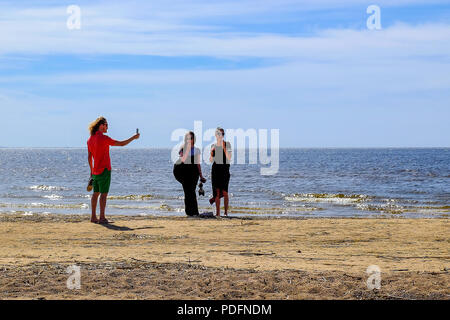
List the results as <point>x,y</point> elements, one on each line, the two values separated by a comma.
<point>227,258</point>
<point>49,216</point>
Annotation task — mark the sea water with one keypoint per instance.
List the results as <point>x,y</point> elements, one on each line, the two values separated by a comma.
<point>413,182</point>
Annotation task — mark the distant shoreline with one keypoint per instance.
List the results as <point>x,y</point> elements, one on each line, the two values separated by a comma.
<point>281,148</point>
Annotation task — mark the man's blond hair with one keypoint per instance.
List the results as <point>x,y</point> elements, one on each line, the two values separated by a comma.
<point>93,127</point>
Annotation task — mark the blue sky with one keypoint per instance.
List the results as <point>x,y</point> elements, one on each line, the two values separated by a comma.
<point>309,68</point>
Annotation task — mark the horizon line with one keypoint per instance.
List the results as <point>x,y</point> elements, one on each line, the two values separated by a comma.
<point>165,148</point>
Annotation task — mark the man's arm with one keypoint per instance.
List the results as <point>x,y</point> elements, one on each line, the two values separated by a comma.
<point>125,142</point>
<point>90,160</point>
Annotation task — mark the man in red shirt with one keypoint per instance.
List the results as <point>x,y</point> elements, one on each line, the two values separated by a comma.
<point>98,150</point>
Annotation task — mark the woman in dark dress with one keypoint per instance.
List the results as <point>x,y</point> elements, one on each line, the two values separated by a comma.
<point>187,170</point>
<point>220,172</point>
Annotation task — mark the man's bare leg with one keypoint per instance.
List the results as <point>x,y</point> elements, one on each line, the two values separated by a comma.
<point>94,199</point>
<point>103,198</point>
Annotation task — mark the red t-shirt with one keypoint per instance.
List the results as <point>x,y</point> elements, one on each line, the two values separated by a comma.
<point>98,146</point>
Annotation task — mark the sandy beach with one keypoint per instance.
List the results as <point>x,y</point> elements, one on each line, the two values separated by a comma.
<point>251,258</point>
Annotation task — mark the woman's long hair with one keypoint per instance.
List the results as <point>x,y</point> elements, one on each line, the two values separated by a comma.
<point>192,135</point>
<point>93,127</point>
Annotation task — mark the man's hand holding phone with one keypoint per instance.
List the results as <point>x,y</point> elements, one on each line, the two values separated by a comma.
<point>137,135</point>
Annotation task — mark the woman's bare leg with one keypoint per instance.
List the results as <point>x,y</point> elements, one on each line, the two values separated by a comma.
<point>218,202</point>
<point>225,202</point>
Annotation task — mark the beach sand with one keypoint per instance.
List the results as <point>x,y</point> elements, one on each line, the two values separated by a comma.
<point>238,258</point>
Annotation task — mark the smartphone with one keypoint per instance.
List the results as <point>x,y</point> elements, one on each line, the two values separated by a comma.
<point>137,131</point>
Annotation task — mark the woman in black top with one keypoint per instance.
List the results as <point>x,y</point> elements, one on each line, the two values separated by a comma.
<point>220,172</point>
<point>187,170</point>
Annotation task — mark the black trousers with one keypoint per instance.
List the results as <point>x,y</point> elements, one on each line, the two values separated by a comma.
<point>188,176</point>
<point>190,197</point>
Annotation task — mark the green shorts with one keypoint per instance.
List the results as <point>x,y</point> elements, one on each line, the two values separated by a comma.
<point>102,181</point>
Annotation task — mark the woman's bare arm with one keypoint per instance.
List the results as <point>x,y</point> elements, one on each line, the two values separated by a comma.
<point>211,158</point>
<point>184,155</point>
<point>227,152</point>
<point>197,161</point>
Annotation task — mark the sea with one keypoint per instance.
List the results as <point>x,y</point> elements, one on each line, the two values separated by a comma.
<point>375,182</point>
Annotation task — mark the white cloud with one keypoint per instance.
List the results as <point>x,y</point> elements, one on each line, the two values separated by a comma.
<point>155,28</point>
<point>343,66</point>
<point>323,75</point>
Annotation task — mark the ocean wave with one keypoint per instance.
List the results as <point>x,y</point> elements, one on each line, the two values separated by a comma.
<point>387,208</point>
<point>42,187</point>
<point>338,198</point>
<point>432,209</point>
<point>135,197</point>
<point>398,209</point>
<point>142,214</point>
<point>272,210</point>
<point>53,197</point>
<point>233,209</point>
<point>162,207</point>
<point>45,205</point>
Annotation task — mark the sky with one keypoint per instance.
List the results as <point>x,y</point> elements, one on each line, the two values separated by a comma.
<point>311,69</point>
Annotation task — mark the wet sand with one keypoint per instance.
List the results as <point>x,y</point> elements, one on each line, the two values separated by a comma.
<point>194,258</point>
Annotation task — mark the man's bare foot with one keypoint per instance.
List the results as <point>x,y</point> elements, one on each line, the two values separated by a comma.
<point>103,221</point>
<point>94,220</point>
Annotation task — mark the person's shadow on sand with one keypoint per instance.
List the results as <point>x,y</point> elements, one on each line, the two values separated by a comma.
<point>114,227</point>
<point>119,228</point>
